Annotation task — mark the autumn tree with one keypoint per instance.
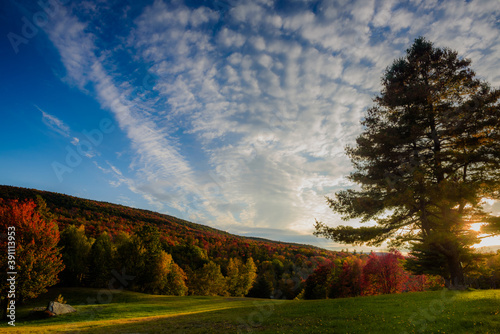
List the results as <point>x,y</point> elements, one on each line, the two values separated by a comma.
<point>240,276</point>
<point>347,281</point>
<point>428,154</point>
<point>168,277</point>
<point>384,273</point>
<point>318,283</point>
<point>208,281</point>
<point>37,257</point>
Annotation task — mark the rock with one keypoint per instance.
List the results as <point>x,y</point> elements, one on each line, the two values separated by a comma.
<point>55,308</point>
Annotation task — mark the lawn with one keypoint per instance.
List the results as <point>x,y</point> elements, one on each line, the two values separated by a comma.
<point>130,312</point>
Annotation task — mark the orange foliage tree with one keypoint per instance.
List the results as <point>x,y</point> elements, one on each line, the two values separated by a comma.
<point>37,258</point>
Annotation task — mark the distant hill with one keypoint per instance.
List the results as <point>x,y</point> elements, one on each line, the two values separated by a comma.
<point>98,217</point>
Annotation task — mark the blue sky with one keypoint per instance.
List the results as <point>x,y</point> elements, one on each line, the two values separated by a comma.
<point>233,114</point>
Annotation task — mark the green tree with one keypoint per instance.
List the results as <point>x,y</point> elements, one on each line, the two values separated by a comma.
<point>208,281</point>
<point>130,256</point>
<point>140,255</point>
<point>75,254</point>
<point>428,154</point>
<point>263,287</point>
<point>101,261</point>
<point>188,255</point>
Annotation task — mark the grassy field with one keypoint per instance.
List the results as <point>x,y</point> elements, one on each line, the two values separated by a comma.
<point>129,312</point>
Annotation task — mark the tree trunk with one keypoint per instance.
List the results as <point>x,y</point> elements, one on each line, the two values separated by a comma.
<point>457,278</point>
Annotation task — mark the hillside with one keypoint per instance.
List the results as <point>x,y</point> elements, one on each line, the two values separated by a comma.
<point>113,218</point>
<point>281,267</point>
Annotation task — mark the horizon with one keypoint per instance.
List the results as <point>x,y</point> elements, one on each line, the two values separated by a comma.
<point>229,114</point>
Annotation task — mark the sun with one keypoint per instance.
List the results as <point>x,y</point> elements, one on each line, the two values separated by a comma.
<point>476,227</point>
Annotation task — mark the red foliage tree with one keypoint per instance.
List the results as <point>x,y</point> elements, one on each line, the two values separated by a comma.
<point>350,281</point>
<point>37,260</point>
<point>384,274</point>
<point>317,284</point>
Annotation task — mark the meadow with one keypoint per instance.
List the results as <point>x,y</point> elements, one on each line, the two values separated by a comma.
<point>476,311</point>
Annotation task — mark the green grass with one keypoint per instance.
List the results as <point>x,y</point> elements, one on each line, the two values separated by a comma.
<point>130,312</point>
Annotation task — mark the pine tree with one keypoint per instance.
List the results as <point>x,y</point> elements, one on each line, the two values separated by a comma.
<point>140,255</point>
<point>428,154</point>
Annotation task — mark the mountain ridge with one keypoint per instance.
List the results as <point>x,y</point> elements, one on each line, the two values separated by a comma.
<point>55,200</point>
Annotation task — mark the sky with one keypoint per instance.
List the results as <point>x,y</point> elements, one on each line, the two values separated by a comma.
<point>233,114</point>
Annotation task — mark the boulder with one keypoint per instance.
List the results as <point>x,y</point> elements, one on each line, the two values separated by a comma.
<point>55,308</point>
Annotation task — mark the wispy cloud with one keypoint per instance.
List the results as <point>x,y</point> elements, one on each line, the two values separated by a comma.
<point>160,167</point>
<point>54,123</point>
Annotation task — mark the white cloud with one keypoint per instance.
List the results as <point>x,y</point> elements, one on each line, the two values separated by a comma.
<point>230,38</point>
<point>383,13</point>
<point>279,99</point>
<point>54,123</point>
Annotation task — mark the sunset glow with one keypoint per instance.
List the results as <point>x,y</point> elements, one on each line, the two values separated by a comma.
<point>476,227</point>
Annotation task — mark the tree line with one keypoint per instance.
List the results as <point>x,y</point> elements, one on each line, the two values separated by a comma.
<point>156,267</point>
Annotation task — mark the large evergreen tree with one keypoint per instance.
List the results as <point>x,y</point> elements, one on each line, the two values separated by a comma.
<point>429,153</point>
